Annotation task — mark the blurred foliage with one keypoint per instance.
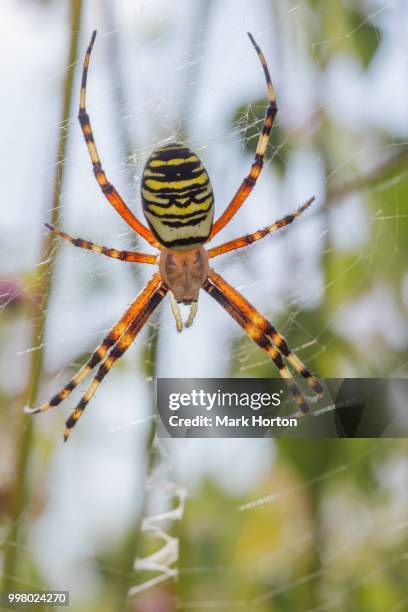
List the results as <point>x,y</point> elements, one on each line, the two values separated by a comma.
<point>368,38</point>
<point>348,27</point>
<point>312,545</point>
<point>349,274</point>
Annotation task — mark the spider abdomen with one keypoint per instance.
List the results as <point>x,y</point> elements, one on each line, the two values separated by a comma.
<point>177,197</point>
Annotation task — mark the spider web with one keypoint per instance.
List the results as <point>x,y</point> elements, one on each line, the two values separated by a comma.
<point>335,284</point>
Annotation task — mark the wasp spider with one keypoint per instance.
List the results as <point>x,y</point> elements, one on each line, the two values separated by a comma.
<point>178,204</point>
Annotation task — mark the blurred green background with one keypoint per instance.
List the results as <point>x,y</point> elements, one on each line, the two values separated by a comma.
<point>327,529</point>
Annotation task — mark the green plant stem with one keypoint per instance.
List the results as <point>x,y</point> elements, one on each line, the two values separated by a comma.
<point>199,33</point>
<point>12,560</point>
<point>134,541</point>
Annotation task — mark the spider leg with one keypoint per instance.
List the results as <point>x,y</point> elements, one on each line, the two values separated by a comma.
<point>257,319</point>
<point>122,345</point>
<point>107,188</point>
<point>260,339</point>
<point>244,241</point>
<point>97,248</point>
<point>100,352</point>
<point>249,181</point>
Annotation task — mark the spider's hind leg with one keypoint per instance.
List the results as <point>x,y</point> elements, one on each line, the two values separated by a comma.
<point>250,180</point>
<point>109,191</point>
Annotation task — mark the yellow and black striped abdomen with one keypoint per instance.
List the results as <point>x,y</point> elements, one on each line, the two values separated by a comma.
<point>177,197</point>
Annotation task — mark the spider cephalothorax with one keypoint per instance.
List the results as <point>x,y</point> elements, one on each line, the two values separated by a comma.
<point>184,272</point>
<point>178,204</point>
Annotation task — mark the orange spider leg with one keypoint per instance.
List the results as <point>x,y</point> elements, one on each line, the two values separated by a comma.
<point>244,241</point>
<point>258,336</point>
<point>249,182</point>
<point>123,344</point>
<point>97,248</point>
<point>110,340</point>
<point>257,319</point>
<point>107,188</point>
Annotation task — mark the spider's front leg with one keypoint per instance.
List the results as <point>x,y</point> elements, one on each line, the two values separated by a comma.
<point>117,341</point>
<point>261,331</point>
<point>119,349</point>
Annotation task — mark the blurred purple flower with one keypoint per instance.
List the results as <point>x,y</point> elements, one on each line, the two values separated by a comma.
<point>11,292</point>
